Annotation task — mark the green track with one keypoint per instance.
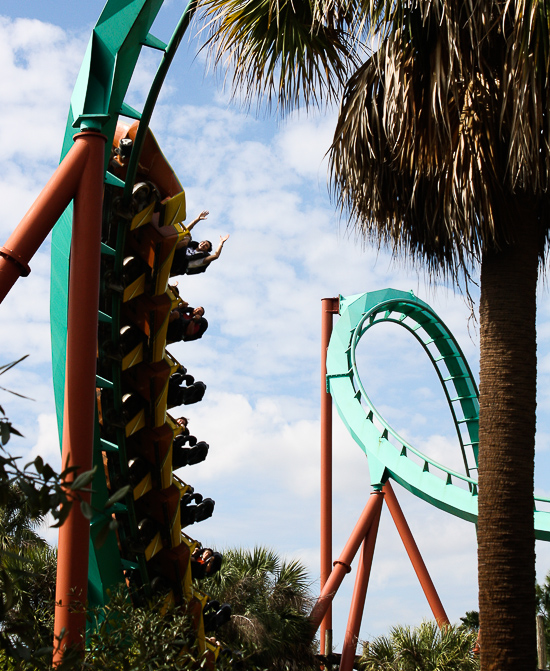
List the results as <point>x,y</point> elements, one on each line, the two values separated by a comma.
<point>389,455</point>
<point>98,100</point>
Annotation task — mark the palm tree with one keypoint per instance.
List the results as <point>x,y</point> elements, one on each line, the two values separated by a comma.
<point>441,152</point>
<point>27,578</point>
<point>543,608</point>
<point>270,602</point>
<point>470,620</point>
<point>423,648</point>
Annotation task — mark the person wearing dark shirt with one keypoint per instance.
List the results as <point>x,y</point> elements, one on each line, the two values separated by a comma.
<point>186,323</point>
<point>191,257</point>
<point>205,562</point>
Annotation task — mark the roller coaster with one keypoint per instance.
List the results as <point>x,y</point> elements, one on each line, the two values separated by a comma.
<point>117,212</point>
<point>390,456</point>
<point>116,209</point>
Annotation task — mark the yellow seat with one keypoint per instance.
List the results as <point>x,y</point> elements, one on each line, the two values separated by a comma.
<point>173,210</point>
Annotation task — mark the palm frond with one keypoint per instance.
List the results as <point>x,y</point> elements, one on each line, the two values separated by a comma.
<point>15,393</point>
<point>6,367</point>
<point>423,648</point>
<point>281,50</point>
<point>432,145</point>
<point>270,603</point>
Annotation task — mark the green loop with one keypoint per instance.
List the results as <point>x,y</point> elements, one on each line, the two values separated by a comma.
<point>390,455</point>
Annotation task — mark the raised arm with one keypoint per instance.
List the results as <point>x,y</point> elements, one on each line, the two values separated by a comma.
<point>185,241</point>
<point>201,217</point>
<point>216,254</point>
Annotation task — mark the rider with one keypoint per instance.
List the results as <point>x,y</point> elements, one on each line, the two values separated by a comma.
<point>190,257</point>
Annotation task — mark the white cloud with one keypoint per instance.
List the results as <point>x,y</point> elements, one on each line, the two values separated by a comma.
<point>303,142</point>
<point>47,442</point>
<point>39,63</point>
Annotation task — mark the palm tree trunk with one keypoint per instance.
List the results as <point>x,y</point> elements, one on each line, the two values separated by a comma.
<point>506,543</point>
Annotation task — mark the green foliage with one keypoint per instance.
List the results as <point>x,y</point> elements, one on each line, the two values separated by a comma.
<point>423,648</point>
<point>543,608</point>
<point>470,620</point>
<point>27,581</point>
<point>153,637</point>
<point>270,602</point>
<point>42,488</point>
<point>288,51</point>
<point>27,563</point>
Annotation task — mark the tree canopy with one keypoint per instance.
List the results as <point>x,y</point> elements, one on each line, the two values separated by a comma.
<point>423,648</point>
<point>270,602</point>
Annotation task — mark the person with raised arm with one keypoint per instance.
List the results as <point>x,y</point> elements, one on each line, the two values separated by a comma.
<point>192,258</point>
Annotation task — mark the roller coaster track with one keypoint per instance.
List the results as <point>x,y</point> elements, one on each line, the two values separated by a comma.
<point>114,48</point>
<point>389,455</point>
<point>96,105</point>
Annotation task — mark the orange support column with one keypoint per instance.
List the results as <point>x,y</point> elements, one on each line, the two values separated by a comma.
<point>78,419</point>
<point>415,556</point>
<point>329,306</point>
<point>31,232</point>
<point>343,564</point>
<point>359,595</point>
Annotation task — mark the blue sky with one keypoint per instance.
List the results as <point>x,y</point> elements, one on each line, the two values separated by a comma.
<point>265,183</point>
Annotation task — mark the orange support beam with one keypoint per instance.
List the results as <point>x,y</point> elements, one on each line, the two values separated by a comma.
<point>359,596</point>
<point>329,306</point>
<point>414,555</point>
<point>78,419</point>
<point>33,229</point>
<point>343,564</point>
<point>78,177</point>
